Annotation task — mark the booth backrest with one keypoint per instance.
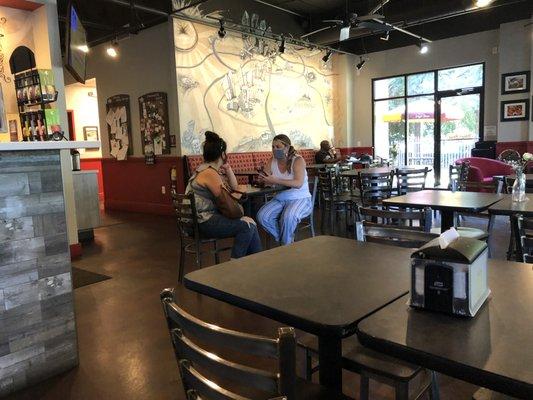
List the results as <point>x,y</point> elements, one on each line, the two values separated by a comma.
<point>483,169</point>
<point>261,157</point>
<point>308,155</point>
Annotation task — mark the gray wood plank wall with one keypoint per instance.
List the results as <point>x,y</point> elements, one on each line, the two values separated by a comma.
<point>37,325</point>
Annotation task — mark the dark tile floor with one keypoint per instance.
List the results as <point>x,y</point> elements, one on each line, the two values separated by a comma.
<point>125,351</point>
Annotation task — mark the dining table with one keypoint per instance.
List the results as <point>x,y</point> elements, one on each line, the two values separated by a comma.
<point>447,202</point>
<point>493,349</point>
<point>254,191</point>
<point>508,207</point>
<point>323,286</point>
<point>250,173</point>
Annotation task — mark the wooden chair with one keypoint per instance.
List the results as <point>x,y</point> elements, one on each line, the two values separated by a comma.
<point>189,233</point>
<point>522,230</point>
<point>309,221</point>
<point>374,187</point>
<point>332,204</point>
<point>234,380</point>
<point>410,180</point>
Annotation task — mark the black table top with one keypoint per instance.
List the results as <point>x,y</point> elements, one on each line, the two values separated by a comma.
<point>494,349</point>
<point>508,207</point>
<point>322,285</point>
<point>243,172</point>
<point>446,200</point>
<point>376,170</point>
<point>259,191</point>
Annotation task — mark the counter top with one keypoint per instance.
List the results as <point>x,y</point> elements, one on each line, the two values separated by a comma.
<point>48,145</point>
<point>85,171</point>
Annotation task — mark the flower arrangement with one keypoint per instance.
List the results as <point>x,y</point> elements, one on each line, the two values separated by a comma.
<point>522,162</point>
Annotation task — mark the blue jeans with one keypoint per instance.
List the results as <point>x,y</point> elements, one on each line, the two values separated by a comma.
<point>246,238</point>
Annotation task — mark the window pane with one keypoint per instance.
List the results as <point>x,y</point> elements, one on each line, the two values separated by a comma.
<point>390,87</point>
<point>462,77</point>
<point>389,130</point>
<point>420,131</point>
<point>421,83</point>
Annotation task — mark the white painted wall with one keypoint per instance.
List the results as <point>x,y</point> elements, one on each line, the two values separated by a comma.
<point>461,50</point>
<point>83,101</point>
<point>143,66</point>
<point>515,56</point>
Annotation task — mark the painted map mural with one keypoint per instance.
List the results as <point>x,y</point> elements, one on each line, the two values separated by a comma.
<point>244,89</point>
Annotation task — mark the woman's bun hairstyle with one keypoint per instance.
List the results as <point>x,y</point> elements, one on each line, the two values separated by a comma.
<point>213,147</point>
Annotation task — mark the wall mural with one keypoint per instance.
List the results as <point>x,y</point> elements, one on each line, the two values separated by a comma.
<point>244,89</point>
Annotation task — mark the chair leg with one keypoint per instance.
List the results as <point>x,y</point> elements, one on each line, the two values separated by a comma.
<point>322,217</point>
<point>308,365</point>
<point>489,231</point>
<point>312,224</point>
<point>198,255</point>
<point>401,390</point>
<point>217,256</point>
<point>364,387</point>
<point>434,391</point>
<point>181,269</point>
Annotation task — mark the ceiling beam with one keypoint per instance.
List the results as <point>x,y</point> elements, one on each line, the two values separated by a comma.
<point>279,8</point>
<point>90,24</point>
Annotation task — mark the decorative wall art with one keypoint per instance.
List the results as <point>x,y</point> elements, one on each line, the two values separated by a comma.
<point>118,120</point>
<point>247,91</point>
<point>515,82</point>
<point>153,109</point>
<point>13,130</point>
<point>514,110</point>
<point>90,133</point>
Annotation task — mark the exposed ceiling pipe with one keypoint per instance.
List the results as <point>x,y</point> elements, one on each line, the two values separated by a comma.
<point>139,7</point>
<point>378,7</point>
<point>241,29</point>
<point>279,8</point>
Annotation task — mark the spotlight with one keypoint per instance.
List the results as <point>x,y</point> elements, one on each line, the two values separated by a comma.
<point>282,45</point>
<point>83,48</point>
<point>222,31</point>
<point>386,37</point>
<point>361,63</point>
<point>424,48</point>
<point>112,49</point>
<point>327,56</point>
<point>482,3</point>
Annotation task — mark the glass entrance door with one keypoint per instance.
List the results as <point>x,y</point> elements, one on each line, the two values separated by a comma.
<point>459,124</point>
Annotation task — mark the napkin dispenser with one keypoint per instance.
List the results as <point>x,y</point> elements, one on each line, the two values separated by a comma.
<point>453,279</point>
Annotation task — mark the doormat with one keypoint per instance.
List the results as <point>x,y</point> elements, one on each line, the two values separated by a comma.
<point>82,277</point>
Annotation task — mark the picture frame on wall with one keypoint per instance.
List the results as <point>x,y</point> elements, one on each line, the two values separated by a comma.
<point>515,82</point>
<point>90,133</point>
<point>514,110</point>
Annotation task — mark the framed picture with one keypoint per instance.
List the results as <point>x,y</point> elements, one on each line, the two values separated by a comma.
<point>13,130</point>
<point>90,133</point>
<point>514,110</point>
<point>515,82</point>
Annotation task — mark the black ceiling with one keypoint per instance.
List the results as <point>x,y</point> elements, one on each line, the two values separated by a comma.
<point>104,18</point>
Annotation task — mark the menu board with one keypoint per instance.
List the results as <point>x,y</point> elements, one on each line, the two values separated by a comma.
<point>153,109</point>
<point>118,118</point>
<point>76,45</point>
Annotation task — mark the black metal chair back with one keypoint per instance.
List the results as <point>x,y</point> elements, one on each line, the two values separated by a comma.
<point>190,337</point>
<point>486,187</point>
<point>458,173</point>
<point>326,184</point>
<point>410,180</point>
<point>400,237</point>
<point>396,219</point>
<point>375,187</point>
<point>523,233</point>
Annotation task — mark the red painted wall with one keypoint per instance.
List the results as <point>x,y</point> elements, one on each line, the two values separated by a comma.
<point>521,147</point>
<point>131,185</point>
<point>95,164</point>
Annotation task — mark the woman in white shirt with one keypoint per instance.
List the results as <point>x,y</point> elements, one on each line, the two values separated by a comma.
<point>280,216</point>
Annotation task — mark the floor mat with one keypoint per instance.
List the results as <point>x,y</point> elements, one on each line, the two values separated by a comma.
<point>82,277</point>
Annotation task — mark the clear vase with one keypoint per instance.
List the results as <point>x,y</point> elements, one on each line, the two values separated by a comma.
<point>519,187</point>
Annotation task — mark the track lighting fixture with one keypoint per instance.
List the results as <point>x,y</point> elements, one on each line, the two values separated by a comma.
<point>112,49</point>
<point>361,63</point>
<point>327,56</point>
<point>282,45</point>
<point>424,48</point>
<point>221,31</point>
<point>386,37</point>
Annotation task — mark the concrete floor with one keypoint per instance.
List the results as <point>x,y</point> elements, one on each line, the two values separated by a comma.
<point>125,350</point>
